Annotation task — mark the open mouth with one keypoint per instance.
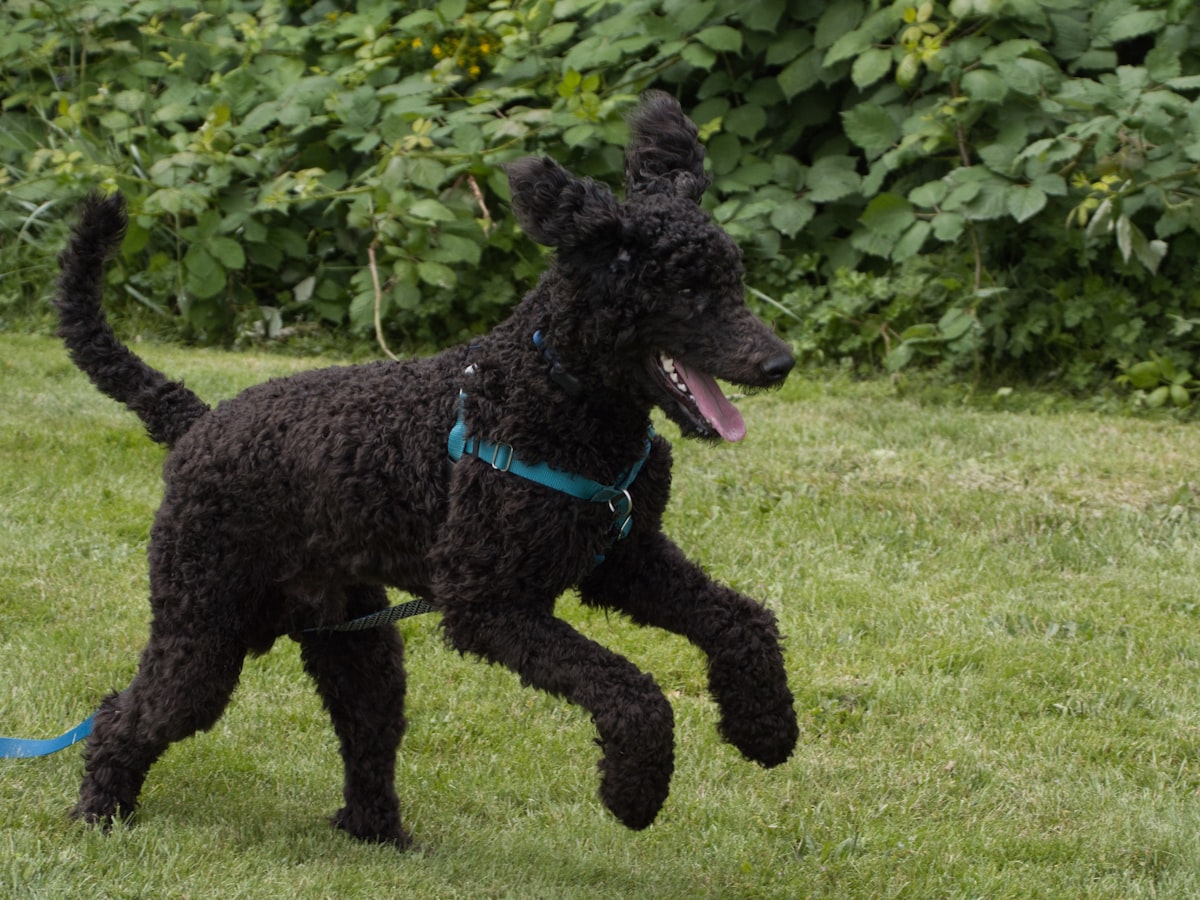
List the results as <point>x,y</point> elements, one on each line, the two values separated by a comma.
<point>700,400</point>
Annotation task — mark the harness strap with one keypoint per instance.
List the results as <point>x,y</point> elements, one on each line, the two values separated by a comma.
<point>503,458</point>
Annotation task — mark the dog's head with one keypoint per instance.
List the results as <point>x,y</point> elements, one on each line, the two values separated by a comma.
<point>653,301</point>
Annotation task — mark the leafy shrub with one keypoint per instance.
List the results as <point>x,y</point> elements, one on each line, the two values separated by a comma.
<point>283,164</point>
<point>1001,184</point>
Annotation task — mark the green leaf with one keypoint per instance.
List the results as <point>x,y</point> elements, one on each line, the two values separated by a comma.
<point>1144,375</point>
<point>832,178</point>
<point>132,101</point>
<point>1124,231</point>
<point>926,331</point>
<point>1158,397</point>
<point>1134,23</point>
<point>1051,183</point>
<point>1072,37</point>
<point>908,69</point>
<point>362,310</point>
<point>721,38</point>
<point>436,274</point>
<point>948,226</point>
<point>291,242</point>
<point>984,85</point>
<point>761,15</point>
<point>558,33</point>
<point>698,56</point>
<point>227,251</point>
<point>686,15</point>
<point>787,171</point>
<point>960,195</point>
<point>450,10</point>
<point>955,324</point>
<point>1008,51</point>
<point>1149,253</point>
<point>888,215</point>
<point>837,20</point>
<point>790,218</point>
<point>991,202</point>
<point>930,194</point>
<point>871,127</point>
<point>746,121</point>
<point>1025,202</point>
<point>430,210</point>
<point>870,66</point>
<point>455,250</point>
<point>1025,76</point>
<point>790,46</point>
<point>878,27</point>
<point>912,241</point>
<point>1163,64</point>
<point>900,357</point>
<point>801,75</point>
<point>205,277</point>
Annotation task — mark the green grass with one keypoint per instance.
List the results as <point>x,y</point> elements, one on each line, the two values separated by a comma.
<point>993,635</point>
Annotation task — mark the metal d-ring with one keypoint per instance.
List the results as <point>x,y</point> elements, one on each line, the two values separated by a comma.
<point>623,510</point>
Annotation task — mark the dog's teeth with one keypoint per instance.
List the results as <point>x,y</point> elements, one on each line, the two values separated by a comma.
<point>668,366</point>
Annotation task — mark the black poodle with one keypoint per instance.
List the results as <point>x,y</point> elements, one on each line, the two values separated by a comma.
<point>487,480</point>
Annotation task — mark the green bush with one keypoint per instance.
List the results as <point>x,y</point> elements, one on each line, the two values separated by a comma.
<point>995,185</point>
<point>284,165</point>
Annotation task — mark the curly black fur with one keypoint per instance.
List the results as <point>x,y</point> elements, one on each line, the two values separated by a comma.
<point>293,504</point>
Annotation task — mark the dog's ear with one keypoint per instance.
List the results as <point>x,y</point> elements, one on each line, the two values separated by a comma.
<point>558,209</point>
<point>664,155</point>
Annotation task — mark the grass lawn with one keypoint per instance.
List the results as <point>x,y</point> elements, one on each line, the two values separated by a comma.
<point>993,625</point>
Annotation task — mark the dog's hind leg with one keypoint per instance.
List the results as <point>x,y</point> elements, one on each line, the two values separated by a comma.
<point>632,716</point>
<point>187,673</point>
<point>360,677</point>
<point>650,580</point>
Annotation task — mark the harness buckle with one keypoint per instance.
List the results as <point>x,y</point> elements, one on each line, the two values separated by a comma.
<point>502,457</point>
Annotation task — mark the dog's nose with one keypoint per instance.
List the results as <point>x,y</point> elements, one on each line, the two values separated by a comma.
<point>776,368</point>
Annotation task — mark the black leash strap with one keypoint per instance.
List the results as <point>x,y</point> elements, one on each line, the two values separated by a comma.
<point>383,617</point>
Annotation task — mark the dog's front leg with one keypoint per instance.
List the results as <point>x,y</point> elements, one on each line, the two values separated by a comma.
<point>632,716</point>
<point>648,578</point>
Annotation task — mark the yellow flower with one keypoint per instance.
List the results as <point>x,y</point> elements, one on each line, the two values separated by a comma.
<point>474,71</point>
<point>437,51</point>
<point>417,43</point>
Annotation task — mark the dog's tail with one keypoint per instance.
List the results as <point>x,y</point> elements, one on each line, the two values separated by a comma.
<point>167,408</point>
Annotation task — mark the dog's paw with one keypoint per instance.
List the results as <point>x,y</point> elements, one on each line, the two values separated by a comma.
<point>101,815</point>
<point>767,739</point>
<point>638,743</point>
<point>373,830</point>
<point>633,794</point>
<point>635,777</point>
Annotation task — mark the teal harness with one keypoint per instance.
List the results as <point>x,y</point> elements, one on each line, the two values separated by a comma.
<point>503,458</point>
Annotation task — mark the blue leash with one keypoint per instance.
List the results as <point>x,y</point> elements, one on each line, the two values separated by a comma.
<point>17,748</point>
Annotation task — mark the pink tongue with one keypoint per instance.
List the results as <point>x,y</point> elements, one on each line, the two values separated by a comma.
<point>720,413</point>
